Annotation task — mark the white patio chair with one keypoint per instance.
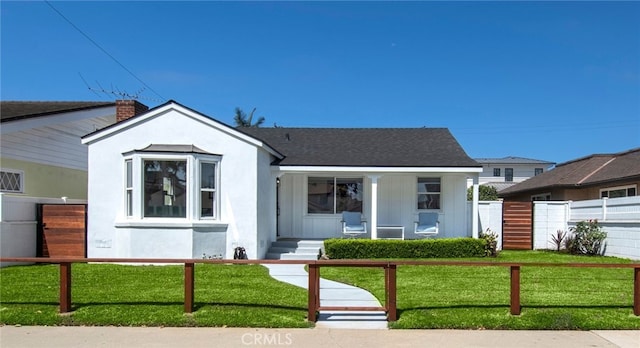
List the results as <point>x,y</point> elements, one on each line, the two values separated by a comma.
<point>427,225</point>
<point>353,224</point>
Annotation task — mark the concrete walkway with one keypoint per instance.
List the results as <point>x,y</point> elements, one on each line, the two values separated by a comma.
<point>124,337</point>
<point>334,294</point>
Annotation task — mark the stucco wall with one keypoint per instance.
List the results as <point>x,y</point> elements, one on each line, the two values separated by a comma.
<point>111,234</point>
<point>266,204</point>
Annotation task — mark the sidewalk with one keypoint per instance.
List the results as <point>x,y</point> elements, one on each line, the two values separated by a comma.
<point>81,337</point>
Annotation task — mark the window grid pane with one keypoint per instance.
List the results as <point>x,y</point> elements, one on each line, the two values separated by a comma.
<point>165,188</point>
<point>10,181</point>
<point>208,203</point>
<point>129,187</point>
<point>208,190</point>
<point>508,174</point>
<point>429,193</point>
<point>348,195</point>
<point>320,196</point>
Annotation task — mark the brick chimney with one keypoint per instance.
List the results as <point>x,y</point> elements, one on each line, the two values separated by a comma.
<point>125,109</point>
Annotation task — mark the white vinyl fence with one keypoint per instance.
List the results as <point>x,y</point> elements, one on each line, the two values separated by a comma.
<point>619,217</point>
<point>490,218</point>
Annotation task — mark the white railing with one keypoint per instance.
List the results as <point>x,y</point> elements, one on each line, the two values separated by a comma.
<point>614,209</point>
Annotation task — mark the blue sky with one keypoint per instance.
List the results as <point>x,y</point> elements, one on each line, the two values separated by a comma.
<point>546,80</point>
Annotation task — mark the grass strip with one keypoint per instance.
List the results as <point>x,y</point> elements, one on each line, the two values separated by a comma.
<point>465,297</point>
<point>120,295</point>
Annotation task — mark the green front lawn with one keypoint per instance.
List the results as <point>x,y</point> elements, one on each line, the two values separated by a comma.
<point>104,294</point>
<point>461,297</point>
<point>245,296</point>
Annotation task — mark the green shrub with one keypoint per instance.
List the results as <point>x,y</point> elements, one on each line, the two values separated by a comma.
<point>588,238</point>
<point>491,245</point>
<point>485,193</point>
<point>559,238</point>
<point>404,249</point>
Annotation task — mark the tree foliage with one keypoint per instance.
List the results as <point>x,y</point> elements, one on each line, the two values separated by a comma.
<point>242,120</point>
<point>486,193</point>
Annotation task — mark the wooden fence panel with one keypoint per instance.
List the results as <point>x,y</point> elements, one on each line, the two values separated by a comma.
<point>62,231</point>
<point>517,226</point>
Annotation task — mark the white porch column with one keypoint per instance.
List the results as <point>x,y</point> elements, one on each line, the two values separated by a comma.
<point>474,208</point>
<point>374,206</point>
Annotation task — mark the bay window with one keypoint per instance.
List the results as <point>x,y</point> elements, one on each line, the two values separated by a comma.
<point>180,184</point>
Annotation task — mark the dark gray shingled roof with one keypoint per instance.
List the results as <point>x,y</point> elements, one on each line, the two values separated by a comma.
<point>584,171</point>
<point>366,147</point>
<point>15,110</point>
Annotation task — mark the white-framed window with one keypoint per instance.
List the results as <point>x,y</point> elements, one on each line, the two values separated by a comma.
<point>332,195</point>
<point>208,194</point>
<point>165,188</point>
<point>619,191</point>
<point>177,186</point>
<point>541,197</point>
<point>11,180</point>
<point>508,174</point>
<point>128,187</point>
<point>496,172</point>
<point>428,190</point>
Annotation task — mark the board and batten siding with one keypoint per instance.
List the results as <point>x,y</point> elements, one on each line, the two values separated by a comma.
<point>397,199</point>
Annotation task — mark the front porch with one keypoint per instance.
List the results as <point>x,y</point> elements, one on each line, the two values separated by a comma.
<point>389,202</point>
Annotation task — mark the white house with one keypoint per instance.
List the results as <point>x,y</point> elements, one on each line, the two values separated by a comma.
<point>174,183</point>
<point>507,171</point>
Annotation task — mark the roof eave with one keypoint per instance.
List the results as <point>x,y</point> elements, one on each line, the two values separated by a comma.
<point>375,169</point>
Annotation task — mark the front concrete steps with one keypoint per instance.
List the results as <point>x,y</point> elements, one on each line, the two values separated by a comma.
<point>294,249</point>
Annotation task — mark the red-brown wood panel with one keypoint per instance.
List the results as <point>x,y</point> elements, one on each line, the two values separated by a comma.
<point>63,230</point>
<point>517,226</point>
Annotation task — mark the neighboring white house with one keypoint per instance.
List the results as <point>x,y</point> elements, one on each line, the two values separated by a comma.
<point>174,183</point>
<point>42,160</point>
<point>508,171</point>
